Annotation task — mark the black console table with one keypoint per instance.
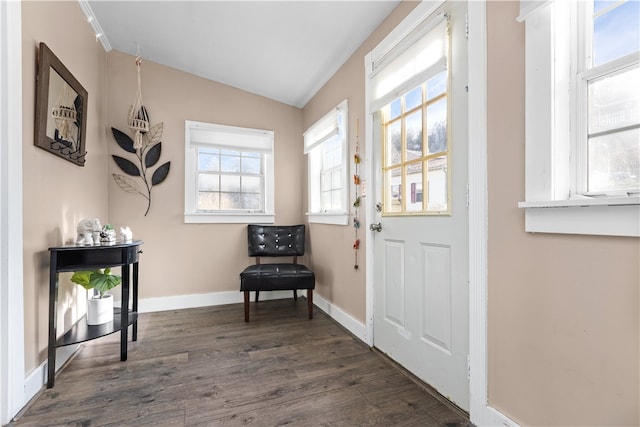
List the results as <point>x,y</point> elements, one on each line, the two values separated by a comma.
<point>78,258</point>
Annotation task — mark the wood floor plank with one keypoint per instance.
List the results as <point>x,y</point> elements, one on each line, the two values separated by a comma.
<point>207,367</point>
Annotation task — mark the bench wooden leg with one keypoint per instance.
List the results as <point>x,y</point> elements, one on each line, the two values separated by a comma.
<point>295,295</point>
<point>310,302</point>
<point>257,294</point>
<point>246,306</point>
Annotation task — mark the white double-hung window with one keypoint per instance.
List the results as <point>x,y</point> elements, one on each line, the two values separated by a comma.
<point>229,174</point>
<point>326,147</point>
<point>582,116</point>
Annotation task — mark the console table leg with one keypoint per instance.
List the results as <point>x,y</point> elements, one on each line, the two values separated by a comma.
<point>53,297</point>
<point>134,329</point>
<point>124,313</point>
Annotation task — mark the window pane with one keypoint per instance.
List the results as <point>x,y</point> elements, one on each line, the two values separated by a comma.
<point>413,99</point>
<point>229,183</point>
<point>414,187</point>
<point>336,179</point>
<point>325,181</point>
<point>614,100</point>
<point>208,182</point>
<point>414,135</point>
<point>614,162</point>
<point>251,184</point>
<point>230,163</point>
<point>437,126</point>
<point>332,153</point>
<point>393,190</point>
<point>251,201</point>
<point>395,108</point>
<point>251,164</point>
<point>208,159</point>
<point>437,85</point>
<point>437,184</point>
<point>394,144</point>
<point>208,201</point>
<point>335,200</point>
<point>229,201</point>
<point>599,5</point>
<point>616,32</point>
<point>325,200</point>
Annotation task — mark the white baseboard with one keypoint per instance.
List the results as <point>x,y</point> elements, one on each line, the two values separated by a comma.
<point>490,417</point>
<point>349,322</point>
<point>149,305</point>
<point>37,379</point>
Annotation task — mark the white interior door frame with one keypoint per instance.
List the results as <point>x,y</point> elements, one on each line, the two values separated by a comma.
<point>12,374</point>
<point>481,413</point>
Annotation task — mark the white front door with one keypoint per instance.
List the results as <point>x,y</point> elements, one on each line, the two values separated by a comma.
<point>421,249</point>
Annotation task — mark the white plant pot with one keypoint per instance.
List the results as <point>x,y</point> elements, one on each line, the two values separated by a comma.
<point>100,310</point>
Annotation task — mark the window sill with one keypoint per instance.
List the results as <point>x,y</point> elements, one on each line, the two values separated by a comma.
<point>600,216</point>
<point>228,218</point>
<point>328,218</point>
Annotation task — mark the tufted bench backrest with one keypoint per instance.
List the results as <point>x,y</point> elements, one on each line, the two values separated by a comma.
<point>276,240</point>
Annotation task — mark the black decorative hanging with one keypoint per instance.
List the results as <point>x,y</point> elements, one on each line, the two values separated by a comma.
<point>147,147</point>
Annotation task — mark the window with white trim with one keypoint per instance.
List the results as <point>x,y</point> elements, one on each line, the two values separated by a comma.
<point>410,91</point>
<point>325,144</point>
<point>229,174</point>
<point>582,116</point>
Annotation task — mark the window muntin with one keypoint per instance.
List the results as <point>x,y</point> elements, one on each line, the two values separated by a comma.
<point>230,180</point>
<point>416,169</point>
<point>331,185</point>
<point>408,86</point>
<point>228,174</point>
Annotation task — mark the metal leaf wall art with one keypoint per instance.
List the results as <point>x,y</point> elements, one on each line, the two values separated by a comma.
<point>138,177</point>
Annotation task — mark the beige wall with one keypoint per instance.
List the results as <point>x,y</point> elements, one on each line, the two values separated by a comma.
<point>563,310</point>
<point>186,259</point>
<point>331,246</point>
<point>57,193</point>
<point>178,259</point>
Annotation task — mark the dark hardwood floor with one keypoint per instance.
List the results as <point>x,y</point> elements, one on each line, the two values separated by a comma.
<point>207,367</point>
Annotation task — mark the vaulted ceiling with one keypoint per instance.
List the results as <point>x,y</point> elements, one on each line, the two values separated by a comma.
<point>283,50</point>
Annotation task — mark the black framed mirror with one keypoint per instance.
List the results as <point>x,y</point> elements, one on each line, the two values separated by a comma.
<point>61,109</point>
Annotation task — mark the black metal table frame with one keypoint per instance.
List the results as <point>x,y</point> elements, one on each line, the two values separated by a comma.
<point>78,258</point>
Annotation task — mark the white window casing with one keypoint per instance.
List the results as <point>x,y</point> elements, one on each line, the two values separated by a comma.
<point>331,129</point>
<point>555,106</point>
<point>198,134</point>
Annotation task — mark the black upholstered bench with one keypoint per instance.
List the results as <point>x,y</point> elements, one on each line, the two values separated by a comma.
<point>276,241</point>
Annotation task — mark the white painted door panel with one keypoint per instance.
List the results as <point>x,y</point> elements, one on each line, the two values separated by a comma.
<point>421,262</point>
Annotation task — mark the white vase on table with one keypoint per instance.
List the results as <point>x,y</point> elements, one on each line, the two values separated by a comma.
<point>100,310</point>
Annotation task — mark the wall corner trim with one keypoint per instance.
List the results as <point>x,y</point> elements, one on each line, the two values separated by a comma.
<point>93,21</point>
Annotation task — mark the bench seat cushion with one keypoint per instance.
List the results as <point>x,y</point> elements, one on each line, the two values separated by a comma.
<point>275,277</point>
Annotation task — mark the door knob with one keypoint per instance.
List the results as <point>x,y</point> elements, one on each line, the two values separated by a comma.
<point>376,227</point>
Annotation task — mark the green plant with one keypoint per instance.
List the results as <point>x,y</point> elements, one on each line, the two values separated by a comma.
<point>101,281</point>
